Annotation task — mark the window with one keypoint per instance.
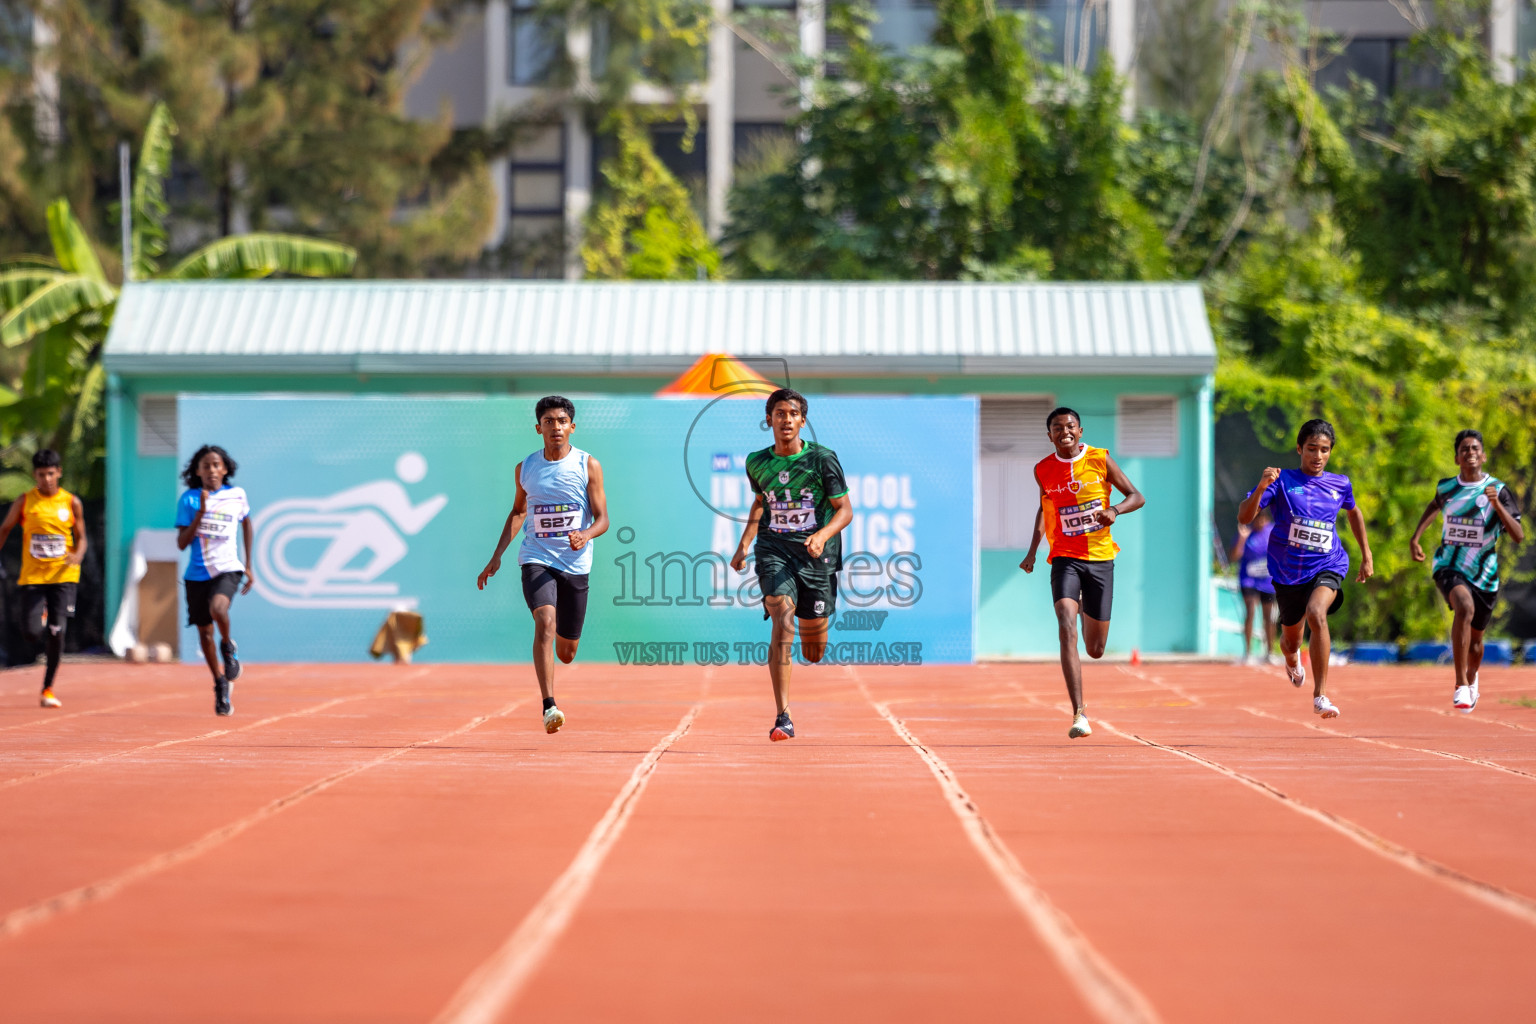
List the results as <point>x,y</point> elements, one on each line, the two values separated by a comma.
<point>533,47</point>
<point>157,425</point>
<point>536,198</point>
<point>1385,63</point>
<point>1013,439</point>
<point>1147,426</point>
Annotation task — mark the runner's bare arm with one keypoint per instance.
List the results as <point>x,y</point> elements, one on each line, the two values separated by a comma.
<point>1250,505</point>
<point>1511,524</point>
<point>77,556</point>
<point>842,515</point>
<point>248,536</point>
<point>1424,520</point>
<point>1244,531</point>
<point>1357,525</point>
<point>598,500</point>
<point>748,534</point>
<point>1028,565</point>
<point>509,529</point>
<point>11,519</point>
<point>186,534</point>
<point>1132,501</point>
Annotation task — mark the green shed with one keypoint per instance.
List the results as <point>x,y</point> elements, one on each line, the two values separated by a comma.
<point>1136,360</point>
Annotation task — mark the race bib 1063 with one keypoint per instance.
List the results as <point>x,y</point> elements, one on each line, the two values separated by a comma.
<point>49,547</point>
<point>792,516</point>
<point>556,520</point>
<point>1311,534</point>
<point>1077,520</point>
<point>1463,531</point>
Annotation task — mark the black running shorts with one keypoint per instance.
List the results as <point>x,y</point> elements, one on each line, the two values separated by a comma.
<point>1090,584</point>
<point>57,600</point>
<point>1293,597</point>
<point>811,584</point>
<point>1264,596</point>
<point>565,591</point>
<point>1482,600</point>
<point>200,595</point>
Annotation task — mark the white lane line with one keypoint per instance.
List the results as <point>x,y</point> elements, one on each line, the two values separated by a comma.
<point>1397,746</point>
<point>26,918</point>
<point>1157,681</point>
<point>1110,996</point>
<point>1520,907</point>
<point>1467,717</point>
<point>495,984</point>
<point>313,709</point>
<point>51,719</point>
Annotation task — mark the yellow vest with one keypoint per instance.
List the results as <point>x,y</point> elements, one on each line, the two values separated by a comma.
<point>47,538</point>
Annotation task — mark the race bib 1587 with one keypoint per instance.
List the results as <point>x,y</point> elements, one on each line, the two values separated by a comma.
<point>556,520</point>
<point>1463,531</point>
<point>49,547</point>
<point>1311,534</point>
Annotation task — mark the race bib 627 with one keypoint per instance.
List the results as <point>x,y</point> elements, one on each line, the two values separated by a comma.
<point>556,520</point>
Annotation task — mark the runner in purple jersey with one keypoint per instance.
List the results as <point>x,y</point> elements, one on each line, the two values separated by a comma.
<point>1251,553</point>
<point>1307,562</point>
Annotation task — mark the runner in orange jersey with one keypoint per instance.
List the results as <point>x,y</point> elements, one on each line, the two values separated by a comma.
<point>1076,514</point>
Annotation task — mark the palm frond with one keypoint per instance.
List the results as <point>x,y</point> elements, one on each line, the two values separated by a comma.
<point>67,296</point>
<point>149,207</point>
<point>17,284</point>
<point>261,254</point>
<point>71,244</point>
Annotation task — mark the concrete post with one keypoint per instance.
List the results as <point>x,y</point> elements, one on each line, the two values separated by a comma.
<point>721,101</point>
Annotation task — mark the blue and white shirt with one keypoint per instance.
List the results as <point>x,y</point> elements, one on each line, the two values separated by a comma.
<point>1306,538</point>
<point>214,551</point>
<point>557,508</point>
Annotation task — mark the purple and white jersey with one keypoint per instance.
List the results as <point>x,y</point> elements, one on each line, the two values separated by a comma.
<point>1253,569</point>
<point>1305,540</point>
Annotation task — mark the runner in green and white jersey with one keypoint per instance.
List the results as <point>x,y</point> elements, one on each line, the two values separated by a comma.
<point>800,505</point>
<point>1478,509</point>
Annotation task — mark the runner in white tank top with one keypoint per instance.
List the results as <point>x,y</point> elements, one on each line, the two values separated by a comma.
<point>561,508</point>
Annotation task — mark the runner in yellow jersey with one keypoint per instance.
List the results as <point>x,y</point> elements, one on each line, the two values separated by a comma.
<point>53,545</point>
<point>1076,514</point>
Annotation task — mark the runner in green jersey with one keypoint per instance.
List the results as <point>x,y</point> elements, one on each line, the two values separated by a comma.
<point>799,506</point>
<point>1477,509</point>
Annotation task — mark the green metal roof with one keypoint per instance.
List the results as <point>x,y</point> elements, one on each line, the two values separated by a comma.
<point>479,327</point>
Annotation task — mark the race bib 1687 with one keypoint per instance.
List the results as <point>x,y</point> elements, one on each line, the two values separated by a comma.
<point>1311,534</point>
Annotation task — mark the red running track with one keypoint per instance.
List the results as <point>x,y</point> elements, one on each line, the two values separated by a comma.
<point>406,844</point>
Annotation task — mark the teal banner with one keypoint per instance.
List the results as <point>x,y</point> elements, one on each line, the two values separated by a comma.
<point>362,505</point>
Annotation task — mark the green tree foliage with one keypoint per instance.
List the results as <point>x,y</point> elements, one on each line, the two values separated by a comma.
<point>290,115</point>
<point>643,223</point>
<point>57,311</point>
<point>971,158</point>
<point>644,226</point>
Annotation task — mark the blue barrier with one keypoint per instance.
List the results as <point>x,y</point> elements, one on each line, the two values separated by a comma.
<point>1498,652</point>
<point>1373,653</point>
<point>1429,650</point>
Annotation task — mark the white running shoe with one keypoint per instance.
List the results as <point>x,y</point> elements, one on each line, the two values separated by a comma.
<point>1325,707</point>
<point>554,718</point>
<point>1296,674</point>
<point>1080,727</point>
<point>1466,697</point>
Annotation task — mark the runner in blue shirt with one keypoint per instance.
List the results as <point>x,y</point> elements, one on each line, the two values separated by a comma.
<point>1307,563</point>
<point>1478,510</point>
<point>1251,553</point>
